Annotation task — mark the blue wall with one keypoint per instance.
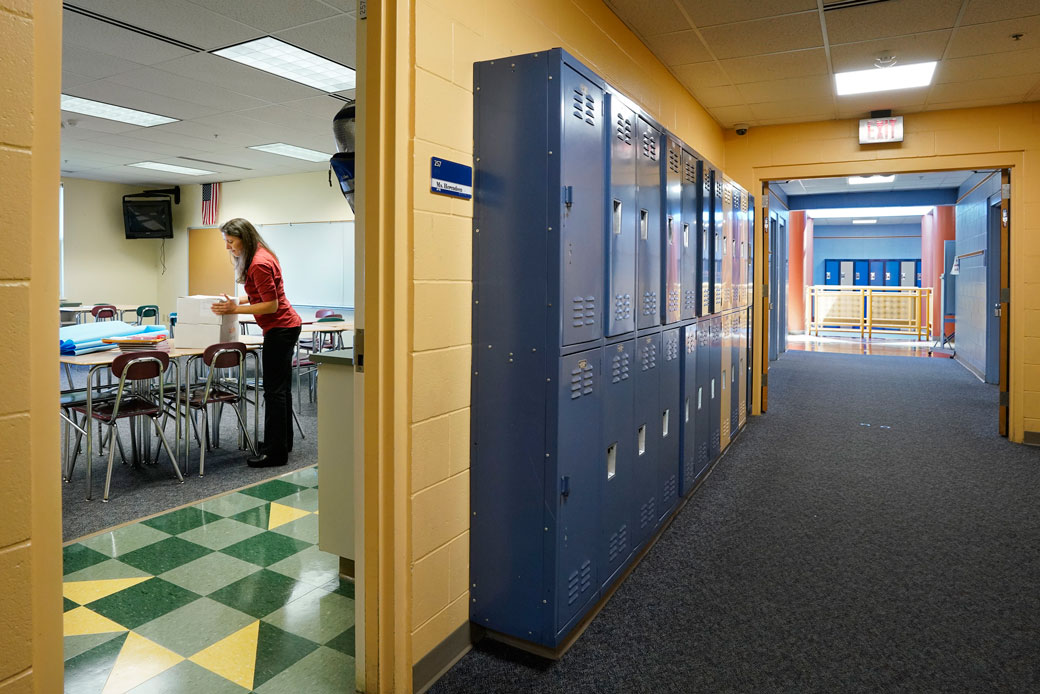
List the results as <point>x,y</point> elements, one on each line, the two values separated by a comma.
<point>892,198</point>
<point>863,242</point>
<point>972,220</point>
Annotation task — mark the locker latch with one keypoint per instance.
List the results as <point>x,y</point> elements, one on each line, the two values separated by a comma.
<point>568,195</point>
<point>565,486</point>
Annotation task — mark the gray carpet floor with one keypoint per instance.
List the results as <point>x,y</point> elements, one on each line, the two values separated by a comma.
<point>139,491</point>
<point>826,555</point>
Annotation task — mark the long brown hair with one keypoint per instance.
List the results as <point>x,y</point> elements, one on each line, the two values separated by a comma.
<point>251,240</point>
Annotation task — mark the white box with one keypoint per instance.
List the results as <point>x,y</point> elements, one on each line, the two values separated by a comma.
<point>196,309</point>
<point>201,335</point>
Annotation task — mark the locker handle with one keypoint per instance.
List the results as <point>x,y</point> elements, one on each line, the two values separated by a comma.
<point>568,195</point>
<point>686,413</point>
<point>664,423</point>
<point>686,235</point>
<point>671,231</point>
<point>617,218</point>
<point>641,439</point>
<point>644,220</point>
<point>611,460</point>
<point>565,486</point>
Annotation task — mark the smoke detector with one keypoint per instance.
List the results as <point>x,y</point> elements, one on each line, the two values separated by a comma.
<point>885,60</point>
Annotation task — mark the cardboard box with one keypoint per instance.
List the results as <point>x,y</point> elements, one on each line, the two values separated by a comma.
<point>200,335</point>
<point>196,309</point>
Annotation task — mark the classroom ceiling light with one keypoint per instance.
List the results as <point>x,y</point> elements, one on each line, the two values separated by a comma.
<point>99,109</point>
<point>864,221</point>
<point>884,79</point>
<point>171,168</point>
<point>860,180</point>
<point>860,212</point>
<point>293,151</point>
<point>285,60</point>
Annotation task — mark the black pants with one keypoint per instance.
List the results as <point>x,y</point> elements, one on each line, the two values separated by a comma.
<point>279,344</point>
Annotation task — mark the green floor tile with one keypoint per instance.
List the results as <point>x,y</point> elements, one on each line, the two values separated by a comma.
<point>69,605</point>
<point>324,671</point>
<point>265,549</point>
<point>162,556</point>
<point>261,593</point>
<point>142,603</point>
<point>342,586</point>
<point>113,568</point>
<point>308,476</point>
<point>277,650</point>
<point>181,521</point>
<point>221,533</point>
<point>230,504</point>
<point>319,616</point>
<point>88,672</point>
<point>189,629</point>
<point>273,490</point>
<point>344,643</point>
<point>188,678</point>
<point>209,573</point>
<point>258,516</point>
<point>75,645</point>
<point>306,500</point>
<point>78,556</point>
<point>310,566</point>
<point>305,529</point>
<point>124,540</point>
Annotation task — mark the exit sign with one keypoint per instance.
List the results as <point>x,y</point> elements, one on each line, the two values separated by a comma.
<point>873,130</point>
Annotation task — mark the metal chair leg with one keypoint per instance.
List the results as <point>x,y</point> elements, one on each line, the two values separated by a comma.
<point>173,458</point>
<point>205,437</point>
<point>111,456</point>
<point>245,431</point>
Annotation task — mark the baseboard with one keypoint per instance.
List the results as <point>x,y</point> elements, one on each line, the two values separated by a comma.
<point>1032,438</point>
<point>432,666</point>
<point>346,567</point>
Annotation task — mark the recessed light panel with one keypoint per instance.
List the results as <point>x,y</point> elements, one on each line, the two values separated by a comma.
<point>850,212</point>
<point>864,221</point>
<point>884,79</point>
<point>171,168</point>
<point>99,109</point>
<point>282,59</point>
<point>861,180</point>
<point>293,151</point>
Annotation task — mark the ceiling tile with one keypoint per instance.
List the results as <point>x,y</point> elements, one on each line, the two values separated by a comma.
<point>678,48</point>
<point>988,66</point>
<point>972,103</point>
<point>289,119</point>
<point>899,100</point>
<point>710,97</point>
<point>90,63</point>
<point>729,116</point>
<point>167,83</point>
<point>776,66</point>
<point>780,90</point>
<point>982,11</point>
<point>706,14</point>
<point>915,48</point>
<point>323,107</point>
<point>980,39</point>
<point>178,20</point>
<point>893,18</point>
<point>787,33</point>
<point>649,17</point>
<point>697,75</point>
<point>335,39</point>
<point>71,79</point>
<point>818,109</point>
<point>126,45</point>
<point>128,97</point>
<point>128,141</point>
<point>236,77</point>
<point>97,125</point>
<point>348,6</point>
<point>997,87</point>
<point>270,15</point>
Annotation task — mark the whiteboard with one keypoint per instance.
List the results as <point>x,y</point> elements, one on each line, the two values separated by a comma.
<point>317,260</point>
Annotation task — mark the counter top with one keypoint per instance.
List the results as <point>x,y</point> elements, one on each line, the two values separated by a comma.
<point>339,356</point>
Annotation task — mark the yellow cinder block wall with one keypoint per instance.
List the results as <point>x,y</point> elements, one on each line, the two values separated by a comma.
<point>450,35</point>
<point>30,527</point>
<point>959,139</point>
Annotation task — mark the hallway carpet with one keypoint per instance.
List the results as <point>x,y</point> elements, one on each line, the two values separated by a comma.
<point>871,533</point>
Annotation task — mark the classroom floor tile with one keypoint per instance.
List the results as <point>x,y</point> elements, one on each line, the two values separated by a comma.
<point>229,595</point>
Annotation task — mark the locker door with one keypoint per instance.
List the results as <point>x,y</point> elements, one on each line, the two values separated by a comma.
<point>749,351</point>
<point>617,457</point>
<point>714,397</point>
<point>718,223</point>
<point>725,379</point>
<point>647,437</point>
<point>736,376</point>
<point>706,238</point>
<point>845,272</point>
<point>582,209</point>
<point>688,400</point>
<point>877,273</point>
<point>702,400</point>
<point>891,273</point>
<point>860,276</point>
<point>907,273</point>
<point>690,261</point>
<point>742,372</point>
<point>740,202</point>
<point>621,246</point>
<point>831,271</point>
<point>917,272</point>
<point>670,422</point>
<point>577,486</point>
<point>724,283</point>
<point>671,239</point>
<point>648,225</point>
<point>749,257</point>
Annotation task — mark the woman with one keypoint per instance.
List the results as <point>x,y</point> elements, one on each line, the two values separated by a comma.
<point>256,267</point>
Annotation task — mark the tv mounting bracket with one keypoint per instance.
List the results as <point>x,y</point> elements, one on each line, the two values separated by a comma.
<point>175,192</point>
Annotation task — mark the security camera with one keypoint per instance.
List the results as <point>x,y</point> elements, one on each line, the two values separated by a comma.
<point>741,128</point>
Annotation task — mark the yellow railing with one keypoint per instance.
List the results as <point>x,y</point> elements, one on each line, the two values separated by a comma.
<point>866,310</point>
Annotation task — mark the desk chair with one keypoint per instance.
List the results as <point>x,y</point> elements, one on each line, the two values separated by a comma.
<point>147,311</point>
<point>104,312</point>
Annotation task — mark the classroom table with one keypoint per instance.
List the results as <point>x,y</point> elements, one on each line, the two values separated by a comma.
<point>318,331</point>
<point>81,312</point>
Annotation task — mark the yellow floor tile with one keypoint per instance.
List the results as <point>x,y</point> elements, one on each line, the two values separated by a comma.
<point>234,657</point>
<point>139,661</point>
<point>282,514</point>
<point>82,621</point>
<point>83,592</point>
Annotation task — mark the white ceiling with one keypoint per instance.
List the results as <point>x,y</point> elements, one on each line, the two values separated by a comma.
<point>762,62</point>
<point>914,181</point>
<point>223,107</point>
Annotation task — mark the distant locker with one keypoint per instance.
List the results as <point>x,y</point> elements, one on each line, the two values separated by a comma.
<point>671,236</point>
<point>860,276</point>
<point>737,372</point>
<point>646,498</point>
<point>715,383</point>
<point>724,283</point>
<point>845,274</point>
<point>670,406</point>
<point>831,272</point>
<point>707,451</point>
<point>621,240</point>
<point>690,436</point>
<point>690,259</point>
<point>877,273</point>
<point>718,245</point>
<point>891,273</point>
<point>648,224</point>
<point>725,379</point>
<point>619,459</point>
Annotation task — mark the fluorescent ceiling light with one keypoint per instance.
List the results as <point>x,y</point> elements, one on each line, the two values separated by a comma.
<point>171,168</point>
<point>864,221</point>
<point>293,151</point>
<point>282,59</point>
<point>860,180</point>
<point>884,79</point>
<point>851,212</point>
<point>110,112</point>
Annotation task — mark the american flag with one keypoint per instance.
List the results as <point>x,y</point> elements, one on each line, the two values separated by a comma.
<point>210,203</point>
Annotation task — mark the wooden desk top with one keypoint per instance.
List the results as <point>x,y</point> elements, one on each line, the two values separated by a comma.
<point>109,355</point>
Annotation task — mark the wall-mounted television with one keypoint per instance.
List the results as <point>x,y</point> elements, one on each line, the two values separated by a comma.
<point>147,218</point>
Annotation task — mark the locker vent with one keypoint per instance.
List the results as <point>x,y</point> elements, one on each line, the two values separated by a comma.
<point>584,107</point>
<point>716,440</point>
<point>706,183</point>
<point>725,427</point>
<point>620,367</point>
<point>581,380</point>
<point>689,470</point>
<point>702,338</point>
<point>579,581</point>
<point>690,299</point>
<point>648,513</point>
<point>622,307</point>
<point>691,342</point>
<point>583,311</point>
<point>618,546</point>
<point>718,189</point>
<point>674,160</point>
<point>673,301</point>
<point>624,129</point>
<point>742,412</point>
<point>702,455</point>
<point>690,172</point>
<point>671,487</point>
<point>649,147</point>
<point>671,347</point>
<point>648,356</point>
<point>650,303</point>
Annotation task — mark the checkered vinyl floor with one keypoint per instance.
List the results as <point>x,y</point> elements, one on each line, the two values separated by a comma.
<point>229,595</point>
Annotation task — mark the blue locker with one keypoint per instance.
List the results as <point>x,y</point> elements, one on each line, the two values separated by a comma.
<point>619,450</point>
<point>703,398</point>
<point>715,386</point>
<point>647,436</point>
<point>737,246</point>
<point>749,350</point>
<point>671,234</point>
<point>917,272</point>
<point>648,221</point>
<point>690,259</point>
<point>736,374</point>
<point>670,422</point>
<point>689,441</point>
<point>718,222</point>
<point>891,273</point>
<point>832,272</point>
<point>860,273</point>
<point>621,243</point>
<point>706,238</point>
<point>749,254</point>
<point>876,277</point>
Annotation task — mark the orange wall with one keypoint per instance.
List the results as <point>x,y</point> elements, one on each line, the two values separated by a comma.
<point>796,268</point>
<point>937,227</point>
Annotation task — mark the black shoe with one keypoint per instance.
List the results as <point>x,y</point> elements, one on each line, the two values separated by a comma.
<point>265,460</point>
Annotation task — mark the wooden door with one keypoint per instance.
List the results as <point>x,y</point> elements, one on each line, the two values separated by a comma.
<point>209,265</point>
